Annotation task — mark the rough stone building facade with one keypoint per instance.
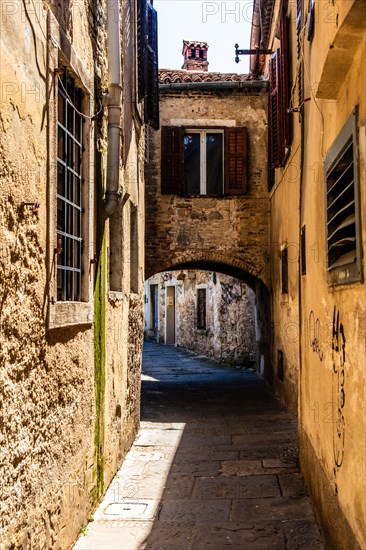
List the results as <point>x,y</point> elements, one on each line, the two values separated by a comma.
<point>224,229</point>
<point>71,260</point>
<point>206,312</point>
<point>318,235</point>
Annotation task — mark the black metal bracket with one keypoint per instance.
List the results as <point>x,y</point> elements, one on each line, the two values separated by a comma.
<point>255,51</point>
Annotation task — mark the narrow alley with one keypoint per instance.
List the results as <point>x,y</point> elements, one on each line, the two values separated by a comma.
<point>214,465</point>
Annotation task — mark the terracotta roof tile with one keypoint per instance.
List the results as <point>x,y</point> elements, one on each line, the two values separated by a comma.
<point>168,76</point>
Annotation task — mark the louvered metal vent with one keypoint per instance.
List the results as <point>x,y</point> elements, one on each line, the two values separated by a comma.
<point>341,219</point>
<point>341,176</point>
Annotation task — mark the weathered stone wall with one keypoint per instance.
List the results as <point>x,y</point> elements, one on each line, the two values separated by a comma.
<point>230,313</point>
<point>233,231</point>
<point>69,396</point>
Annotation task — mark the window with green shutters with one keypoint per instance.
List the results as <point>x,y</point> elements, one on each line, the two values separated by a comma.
<point>147,61</point>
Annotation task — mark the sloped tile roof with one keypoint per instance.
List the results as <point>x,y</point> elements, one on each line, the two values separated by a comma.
<point>170,76</point>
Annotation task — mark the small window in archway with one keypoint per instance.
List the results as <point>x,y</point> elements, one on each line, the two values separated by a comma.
<point>201,308</point>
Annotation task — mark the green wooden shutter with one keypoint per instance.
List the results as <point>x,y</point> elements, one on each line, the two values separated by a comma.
<point>152,89</point>
<point>171,160</point>
<point>236,164</point>
<point>142,48</point>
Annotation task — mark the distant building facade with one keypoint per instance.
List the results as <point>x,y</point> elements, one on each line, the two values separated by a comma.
<point>206,312</point>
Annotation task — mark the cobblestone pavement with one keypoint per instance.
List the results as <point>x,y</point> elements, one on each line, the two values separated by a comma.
<point>214,466</point>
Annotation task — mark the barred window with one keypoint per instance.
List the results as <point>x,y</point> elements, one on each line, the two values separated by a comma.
<point>201,308</point>
<point>69,189</point>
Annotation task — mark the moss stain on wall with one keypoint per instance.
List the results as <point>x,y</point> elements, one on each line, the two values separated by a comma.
<point>100,361</point>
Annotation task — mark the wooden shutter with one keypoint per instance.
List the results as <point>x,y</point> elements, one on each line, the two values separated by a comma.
<point>275,125</point>
<point>152,89</point>
<point>285,83</point>
<point>142,48</point>
<point>171,160</point>
<point>279,118</point>
<point>298,51</point>
<point>236,165</point>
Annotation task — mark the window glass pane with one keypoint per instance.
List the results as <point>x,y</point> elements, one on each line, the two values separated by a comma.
<point>60,143</point>
<point>69,252</point>
<point>78,127</point>
<point>214,164</point>
<point>60,180</point>
<point>70,152</point>
<point>61,240</point>
<point>77,197</point>
<point>77,222</point>
<point>60,283</point>
<point>61,109</point>
<point>61,215</point>
<point>77,159</point>
<point>192,163</point>
<point>69,285</point>
<point>77,286</point>
<point>77,254</point>
<point>70,117</point>
<point>70,186</point>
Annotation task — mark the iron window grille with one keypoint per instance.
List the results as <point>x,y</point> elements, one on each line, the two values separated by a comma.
<point>69,189</point>
<point>343,243</point>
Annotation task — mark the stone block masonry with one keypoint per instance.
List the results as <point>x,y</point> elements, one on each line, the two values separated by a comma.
<point>229,230</point>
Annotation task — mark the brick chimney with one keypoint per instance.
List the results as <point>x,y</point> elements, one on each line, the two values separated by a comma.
<point>195,55</point>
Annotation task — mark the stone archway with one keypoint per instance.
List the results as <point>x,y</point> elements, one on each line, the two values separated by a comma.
<point>242,269</point>
<point>235,268</point>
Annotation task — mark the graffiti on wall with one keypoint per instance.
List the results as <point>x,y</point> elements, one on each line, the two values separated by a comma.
<point>338,389</point>
<point>320,337</point>
<point>315,335</point>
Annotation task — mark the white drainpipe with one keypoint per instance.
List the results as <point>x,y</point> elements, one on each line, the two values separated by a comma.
<point>114,101</point>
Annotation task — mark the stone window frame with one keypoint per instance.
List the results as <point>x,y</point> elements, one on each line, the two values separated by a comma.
<point>62,54</point>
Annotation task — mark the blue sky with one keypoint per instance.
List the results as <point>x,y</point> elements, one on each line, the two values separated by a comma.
<point>221,24</point>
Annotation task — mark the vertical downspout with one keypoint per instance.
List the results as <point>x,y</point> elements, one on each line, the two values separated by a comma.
<point>302,154</point>
<point>255,40</point>
<point>114,101</point>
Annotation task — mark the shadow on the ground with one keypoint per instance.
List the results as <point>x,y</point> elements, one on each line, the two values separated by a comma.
<point>226,456</point>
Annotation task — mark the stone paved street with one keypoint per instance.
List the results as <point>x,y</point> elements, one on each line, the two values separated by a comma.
<point>214,466</point>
